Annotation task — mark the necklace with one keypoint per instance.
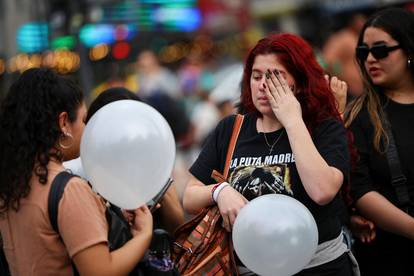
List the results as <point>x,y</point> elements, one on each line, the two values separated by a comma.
<point>271,146</point>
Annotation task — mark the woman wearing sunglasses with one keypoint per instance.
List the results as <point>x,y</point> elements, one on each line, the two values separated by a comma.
<point>385,55</point>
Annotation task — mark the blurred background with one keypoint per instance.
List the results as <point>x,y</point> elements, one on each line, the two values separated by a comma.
<point>183,57</point>
<point>100,40</point>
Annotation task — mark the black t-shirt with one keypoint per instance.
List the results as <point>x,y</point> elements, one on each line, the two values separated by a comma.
<point>372,172</point>
<point>389,254</point>
<point>254,172</point>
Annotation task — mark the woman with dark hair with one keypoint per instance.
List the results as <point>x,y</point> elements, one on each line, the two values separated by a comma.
<point>291,129</point>
<point>385,55</point>
<point>41,122</point>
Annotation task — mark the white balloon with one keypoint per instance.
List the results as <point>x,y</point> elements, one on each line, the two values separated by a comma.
<point>75,166</point>
<point>275,235</point>
<point>128,152</point>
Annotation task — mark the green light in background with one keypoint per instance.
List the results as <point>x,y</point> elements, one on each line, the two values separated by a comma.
<point>63,42</point>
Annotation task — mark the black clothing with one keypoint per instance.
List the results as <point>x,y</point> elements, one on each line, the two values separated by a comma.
<point>339,267</point>
<point>372,171</point>
<point>389,254</point>
<point>254,172</point>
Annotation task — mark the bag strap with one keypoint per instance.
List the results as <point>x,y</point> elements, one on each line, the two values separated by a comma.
<point>398,179</point>
<point>230,150</point>
<point>55,194</point>
<point>223,177</point>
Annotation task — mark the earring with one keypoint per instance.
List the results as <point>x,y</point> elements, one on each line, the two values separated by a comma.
<point>63,137</point>
<point>409,61</point>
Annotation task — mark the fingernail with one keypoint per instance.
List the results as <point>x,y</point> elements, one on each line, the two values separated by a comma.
<point>276,72</point>
<point>267,74</point>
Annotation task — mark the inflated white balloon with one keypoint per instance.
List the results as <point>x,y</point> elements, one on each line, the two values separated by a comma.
<point>275,235</point>
<point>127,152</point>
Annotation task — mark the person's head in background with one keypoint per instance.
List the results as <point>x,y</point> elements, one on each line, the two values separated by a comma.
<point>147,62</point>
<point>296,62</point>
<point>356,22</point>
<point>175,117</point>
<point>41,121</point>
<point>385,53</point>
<point>391,31</point>
<point>108,96</point>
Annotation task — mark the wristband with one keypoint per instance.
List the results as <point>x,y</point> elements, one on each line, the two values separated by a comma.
<point>213,189</point>
<point>217,190</point>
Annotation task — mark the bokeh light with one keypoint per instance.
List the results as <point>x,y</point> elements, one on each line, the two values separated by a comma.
<point>98,52</point>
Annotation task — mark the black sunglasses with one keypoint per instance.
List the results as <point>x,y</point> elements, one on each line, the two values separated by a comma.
<point>379,51</point>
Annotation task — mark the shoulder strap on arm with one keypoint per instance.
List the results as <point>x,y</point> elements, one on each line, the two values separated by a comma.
<point>230,150</point>
<point>55,194</point>
<point>398,179</point>
<point>236,131</point>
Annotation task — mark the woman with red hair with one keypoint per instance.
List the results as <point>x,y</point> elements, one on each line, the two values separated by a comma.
<point>292,141</point>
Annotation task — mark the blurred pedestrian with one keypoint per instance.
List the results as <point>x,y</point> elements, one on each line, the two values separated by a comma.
<point>155,78</point>
<point>339,53</point>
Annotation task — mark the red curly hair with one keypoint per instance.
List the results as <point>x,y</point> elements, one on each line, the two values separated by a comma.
<point>296,55</point>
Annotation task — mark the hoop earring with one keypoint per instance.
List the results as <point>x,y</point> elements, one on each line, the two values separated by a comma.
<point>65,136</point>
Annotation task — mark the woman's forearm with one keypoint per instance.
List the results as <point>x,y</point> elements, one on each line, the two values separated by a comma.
<point>135,249</point>
<point>97,260</point>
<point>386,215</point>
<point>320,181</point>
<point>197,196</point>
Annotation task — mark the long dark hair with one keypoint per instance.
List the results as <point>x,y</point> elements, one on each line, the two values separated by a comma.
<point>399,24</point>
<point>29,130</point>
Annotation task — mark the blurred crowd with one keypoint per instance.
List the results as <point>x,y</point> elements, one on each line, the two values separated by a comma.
<point>204,89</point>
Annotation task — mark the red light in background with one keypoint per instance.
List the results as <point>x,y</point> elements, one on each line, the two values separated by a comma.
<point>121,50</point>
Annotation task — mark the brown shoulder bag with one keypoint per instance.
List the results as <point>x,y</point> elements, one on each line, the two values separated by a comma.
<point>202,245</point>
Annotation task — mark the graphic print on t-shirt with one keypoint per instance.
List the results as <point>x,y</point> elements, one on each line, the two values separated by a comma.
<point>254,181</point>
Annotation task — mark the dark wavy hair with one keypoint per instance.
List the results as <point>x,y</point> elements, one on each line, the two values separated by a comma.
<point>296,55</point>
<point>29,130</point>
<point>108,96</point>
<point>399,24</point>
